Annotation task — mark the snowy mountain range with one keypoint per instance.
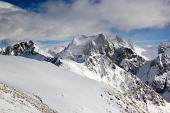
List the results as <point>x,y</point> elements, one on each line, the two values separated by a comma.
<point>92,74</point>
<point>28,50</point>
<point>124,54</point>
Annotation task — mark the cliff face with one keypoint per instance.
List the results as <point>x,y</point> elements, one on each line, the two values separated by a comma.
<point>155,72</point>
<point>121,52</point>
<point>28,50</point>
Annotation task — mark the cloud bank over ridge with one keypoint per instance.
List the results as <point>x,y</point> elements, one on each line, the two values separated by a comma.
<point>58,20</point>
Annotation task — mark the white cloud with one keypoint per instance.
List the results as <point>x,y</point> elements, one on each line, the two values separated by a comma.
<point>151,51</point>
<point>58,20</point>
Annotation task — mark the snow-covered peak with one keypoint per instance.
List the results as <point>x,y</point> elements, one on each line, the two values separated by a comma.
<point>82,40</point>
<point>36,49</point>
<point>156,73</point>
<point>124,53</point>
<point>164,47</point>
<point>84,45</point>
<point>119,41</point>
<point>104,41</point>
<point>26,49</point>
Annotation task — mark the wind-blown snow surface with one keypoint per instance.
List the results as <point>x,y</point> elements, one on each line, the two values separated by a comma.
<point>15,101</point>
<point>60,89</point>
<point>67,92</point>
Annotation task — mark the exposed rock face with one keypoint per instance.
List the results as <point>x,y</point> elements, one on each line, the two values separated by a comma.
<point>127,59</point>
<point>126,82</point>
<point>117,50</point>
<point>21,101</point>
<point>156,73</point>
<point>131,86</point>
<point>162,48</point>
<point>28,50</point>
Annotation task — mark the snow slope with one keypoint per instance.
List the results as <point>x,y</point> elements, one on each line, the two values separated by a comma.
<point>101,69</point>
<point>61,90</point>
<point>66,92</point>
<point>15,101</point>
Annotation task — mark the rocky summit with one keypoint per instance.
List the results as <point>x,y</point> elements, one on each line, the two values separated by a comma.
<point>28,50</point>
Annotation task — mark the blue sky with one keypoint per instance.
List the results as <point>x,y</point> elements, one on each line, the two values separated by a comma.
<point>26,4</point>
<point>146,36</point>
<point>54,21</point>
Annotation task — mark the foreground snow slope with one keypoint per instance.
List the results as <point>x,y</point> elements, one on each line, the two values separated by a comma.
<point>67,92</point>
<point>62,90</point>
<point>16,101</point>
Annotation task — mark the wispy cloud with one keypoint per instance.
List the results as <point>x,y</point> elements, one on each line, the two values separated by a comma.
<point>58,20</point>
<point>151,40</point>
